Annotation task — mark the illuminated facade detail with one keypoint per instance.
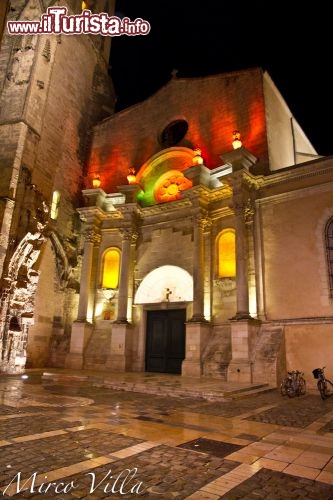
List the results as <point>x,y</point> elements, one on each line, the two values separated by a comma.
<point>165,284</point>
<point>55,205</point>
<point>154,176</point>
<point>329,253</point>
<point>88,4</point>
<point>236,143</point>
<point>110,268</point>
<point>226,254</point>
<point>170,186</point>
<point>131,177</point>
<point>96,182</point>
<point>197,158</point>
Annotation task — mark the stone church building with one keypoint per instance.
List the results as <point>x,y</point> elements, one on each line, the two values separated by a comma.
<point>191,233</point>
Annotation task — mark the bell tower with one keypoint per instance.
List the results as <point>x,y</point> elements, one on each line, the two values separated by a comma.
<point>97,7</point>
<point>53,90</point>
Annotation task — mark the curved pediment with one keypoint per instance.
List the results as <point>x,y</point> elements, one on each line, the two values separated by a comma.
<point>161,177</point>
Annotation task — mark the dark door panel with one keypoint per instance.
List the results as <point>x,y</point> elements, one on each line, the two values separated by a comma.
<point>165,345</point>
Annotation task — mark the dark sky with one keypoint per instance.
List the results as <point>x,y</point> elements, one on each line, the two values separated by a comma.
<point>200,38</point>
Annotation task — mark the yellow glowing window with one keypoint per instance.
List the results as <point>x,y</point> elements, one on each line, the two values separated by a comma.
<point>111,263</point>
<point>55,205</point>
<point>227,254</point>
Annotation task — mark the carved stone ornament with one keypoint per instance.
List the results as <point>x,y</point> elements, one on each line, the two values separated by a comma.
<point>92,236</point>
<point>249,212</point>
<point>226,285</point>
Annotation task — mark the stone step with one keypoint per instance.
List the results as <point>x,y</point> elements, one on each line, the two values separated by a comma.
<point>212,390</point>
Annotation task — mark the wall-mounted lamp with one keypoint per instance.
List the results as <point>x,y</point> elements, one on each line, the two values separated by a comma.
<point>131,177</point>
<point>236,143</point>
<point>96,182</point>
<point>197,158</point>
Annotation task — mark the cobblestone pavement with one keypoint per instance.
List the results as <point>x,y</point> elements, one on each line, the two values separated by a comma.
<point>71,440</point>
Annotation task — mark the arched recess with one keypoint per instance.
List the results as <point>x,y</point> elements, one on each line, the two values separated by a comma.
<point>165,284</point>
<point>39,268</point>
<point>226,253</point>
<point>17,302</point>
<point>110,268</point>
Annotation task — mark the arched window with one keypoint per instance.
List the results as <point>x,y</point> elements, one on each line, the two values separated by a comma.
<point>226,251</point>
<point>329,252</point>
<point>55,205</point>
<point>110,271</point>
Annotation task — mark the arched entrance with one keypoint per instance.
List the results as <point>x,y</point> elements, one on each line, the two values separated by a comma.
<point>165,292</point>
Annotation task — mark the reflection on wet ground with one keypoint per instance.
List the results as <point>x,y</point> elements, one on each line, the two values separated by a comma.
<point>92,443</point>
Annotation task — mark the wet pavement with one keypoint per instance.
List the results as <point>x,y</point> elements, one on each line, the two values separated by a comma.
<point>72,437</point>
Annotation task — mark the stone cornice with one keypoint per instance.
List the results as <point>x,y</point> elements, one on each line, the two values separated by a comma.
<point>314,168</point>
<point>163,208</point>
<point>221,212</point>
<point>89,213</point>
<point>297,193</point>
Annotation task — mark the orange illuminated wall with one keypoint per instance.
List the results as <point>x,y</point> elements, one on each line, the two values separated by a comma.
<point>213,108</point>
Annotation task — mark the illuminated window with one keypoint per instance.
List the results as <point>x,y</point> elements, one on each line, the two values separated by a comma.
<point>226,254</point>
<point>111,264</point>
<point>55,205</point>
<point>329,252</point>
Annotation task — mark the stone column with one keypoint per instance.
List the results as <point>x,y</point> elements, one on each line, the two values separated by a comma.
<point>200,222</point>
<point>242,287</point>
<point>243,327</point>
<point>91,238</point>
<point>198,328</point>
<point>258,245</point>
<point>120,356</point>
<point>81,328</point>
<point>124,276</point>
<point>249,225</point>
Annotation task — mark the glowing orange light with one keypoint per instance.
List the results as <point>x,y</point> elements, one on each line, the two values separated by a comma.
<point>236,143</point>
<point>111,264</point>
<point>131,177</point>
<point>96,182</point>
<point>197,158</point>
<point>227,253</point>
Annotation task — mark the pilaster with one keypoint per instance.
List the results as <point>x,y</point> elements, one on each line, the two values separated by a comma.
<point>120,355</point>
<point>243,336</point>
<point>197,334</point>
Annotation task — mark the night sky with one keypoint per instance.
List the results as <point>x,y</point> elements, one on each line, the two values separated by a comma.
<point>214,36</point>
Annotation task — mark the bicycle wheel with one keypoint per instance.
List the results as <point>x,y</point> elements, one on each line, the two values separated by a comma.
<point>301,386</point>
<point>322,388</point>
<point>290,389</point>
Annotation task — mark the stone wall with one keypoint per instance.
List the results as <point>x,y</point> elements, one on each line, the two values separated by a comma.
<point>213,108</point>
<point>54,89</point>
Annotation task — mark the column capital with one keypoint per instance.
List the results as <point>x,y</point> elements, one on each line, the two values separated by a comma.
<point>91,235</point>
<point>129,234</point>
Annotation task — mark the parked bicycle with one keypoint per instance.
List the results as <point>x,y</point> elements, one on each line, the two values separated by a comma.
<point>294,384</point>
<point>322,383</point>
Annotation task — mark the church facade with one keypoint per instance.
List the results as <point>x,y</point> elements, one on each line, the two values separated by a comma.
<point>191,233</point>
